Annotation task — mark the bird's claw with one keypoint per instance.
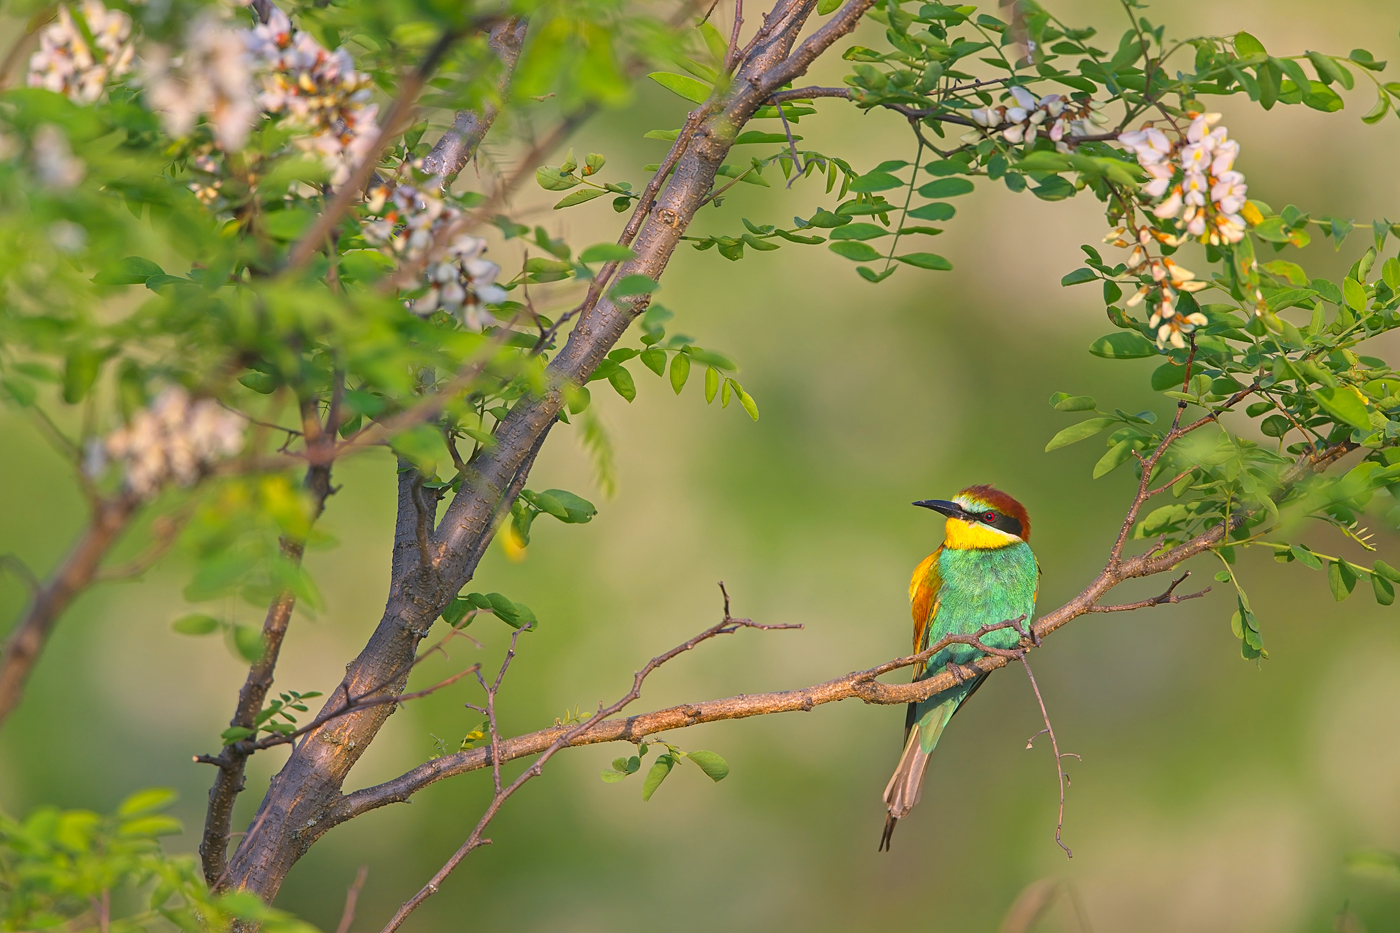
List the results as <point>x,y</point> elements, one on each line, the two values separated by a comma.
<point>956,672</point>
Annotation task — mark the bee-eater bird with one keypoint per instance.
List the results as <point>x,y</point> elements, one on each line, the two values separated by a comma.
<point>983,573</point>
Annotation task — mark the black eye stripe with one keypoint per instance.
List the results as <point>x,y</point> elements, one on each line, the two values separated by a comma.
<point>999,521</point>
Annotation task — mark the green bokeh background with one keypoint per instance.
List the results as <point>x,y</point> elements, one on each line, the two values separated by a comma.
<point>1214,793</point>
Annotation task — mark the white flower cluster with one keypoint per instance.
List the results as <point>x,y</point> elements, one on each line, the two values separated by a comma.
<point>1054,115</point>
<point>460,281</point>
<point>210,77</point>
<point>1200,196</point>
<point>319,91</point>
<point>173,439</point>
<point>1196,174</point>
<point>67,64</point>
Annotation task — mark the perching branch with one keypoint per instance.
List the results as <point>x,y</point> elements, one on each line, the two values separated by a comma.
<point>861,685</point>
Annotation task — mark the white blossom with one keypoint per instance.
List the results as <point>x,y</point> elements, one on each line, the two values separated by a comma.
<point>461,280</point>
<point>210,78</point>
<point>318,91</point>
<point>1053,115</point>
<point>173,440</point>
<point>67,64</point>
<point>1194,188</point>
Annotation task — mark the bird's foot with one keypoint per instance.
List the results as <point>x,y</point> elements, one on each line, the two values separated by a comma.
<point>956,673</point>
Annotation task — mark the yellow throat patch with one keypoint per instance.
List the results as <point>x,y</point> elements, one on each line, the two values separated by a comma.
<point>962,536</point>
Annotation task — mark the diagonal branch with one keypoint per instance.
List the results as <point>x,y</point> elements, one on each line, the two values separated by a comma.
<point>110,518</point>
<point>469,127</point>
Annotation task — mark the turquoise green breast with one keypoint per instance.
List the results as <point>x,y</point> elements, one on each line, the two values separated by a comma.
<point>982,587</point>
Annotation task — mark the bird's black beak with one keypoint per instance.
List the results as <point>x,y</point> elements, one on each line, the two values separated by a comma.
<point>950,509</point>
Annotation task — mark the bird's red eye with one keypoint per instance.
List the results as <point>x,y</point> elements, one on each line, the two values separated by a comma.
<point>989,517</point>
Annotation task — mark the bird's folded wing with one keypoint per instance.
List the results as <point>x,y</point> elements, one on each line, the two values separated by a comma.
<point>923,600</point>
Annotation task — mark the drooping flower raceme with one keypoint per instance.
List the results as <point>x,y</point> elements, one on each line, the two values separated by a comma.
<point>173,440</point>
<point>318,91</point>
<point>68,64</point>
<point>210,77</point>
<point>1195,193</point>
<point>1054,115</point>
<point>460,281</point>
<point>1194,177</point>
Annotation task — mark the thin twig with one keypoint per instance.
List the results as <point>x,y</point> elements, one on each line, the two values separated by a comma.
<point>1165,599</point>
<point>347,916</point>
<point>725,626</point>
<point>1055,747</point>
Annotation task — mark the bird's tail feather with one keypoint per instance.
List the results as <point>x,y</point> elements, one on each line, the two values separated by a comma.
<point>906,784</point>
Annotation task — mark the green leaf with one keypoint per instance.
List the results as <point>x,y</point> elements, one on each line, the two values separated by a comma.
<point>80,369</point>
<point>1079,277</point>
<point>711,384</point>
<point>133,270</point>
<point>1306,557</point>
<point>578,510</point>
<point>826,6</point>
<point>1344,404</point>
<point>1383,589</point>
<point>1387,571</point>
<point>746,400</point>
<point>152,826</point>
<point>1340,579</point>
<point>680,371</point>
<point>860,252</point>
<point>461,607</point>
<point>1117,455</point>
<point>197,623</point>
<point>1168,376</point>
<point>1078,432</point>
<point>859,231</point>
<point>579,197</point>
<point>635,284</point>
<point>621,380</point>
<point>262,383</point>
<point>654,360</point>
<point>875,181</point>
<point>659,769</point>
<point>936,211</point>
<point>945,188</point>
<point>1355,294</point>
<point>1127,345</point>
<point>715,767</point>
<point>606,252</point>
<point>612,777</point>
<point>235,733</point>
<point>554,178</point>
<point>287,225</point>
<point>1247,46</point>
<point>682,85</point>
<point>249,642</point>
<point>1074,403</point>
<point>926,261</point>
<point>152,798</point>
